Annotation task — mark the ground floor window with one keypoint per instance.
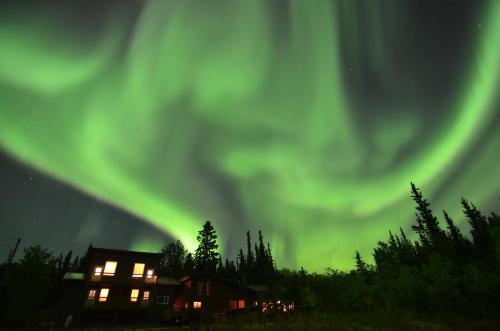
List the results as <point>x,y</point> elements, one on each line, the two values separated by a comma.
<point>236,303</point>
<point>145,296</point>
<point>92,294</point>
<point>162,300</point>
<point>196,304</point>
<point>134,295</point>
<point>103,294</point>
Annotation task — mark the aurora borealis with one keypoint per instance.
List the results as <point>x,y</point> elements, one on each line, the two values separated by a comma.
<point>306,119</point>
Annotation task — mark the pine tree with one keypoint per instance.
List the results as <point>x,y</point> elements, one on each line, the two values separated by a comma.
<point>206,256</point>
<point>188,266</point>
<point>361,266</point>
<point>427,224</point>
<point>457,240</point>
<point>479,227</point>
<point>172,259</point>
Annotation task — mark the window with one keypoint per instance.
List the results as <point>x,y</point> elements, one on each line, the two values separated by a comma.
<point>208,288</point>
<point>91,294</point>
<point>110,268</point>
<point>196,304</point>
<point>145,296</point>
<point>150,273</point>
<point>236,304</point>
<point>138,270</point>
<point>199,287</point>
<point>162,300</point>
<point>103,294</point>
<point>134,295</point>
<point>98,271</point>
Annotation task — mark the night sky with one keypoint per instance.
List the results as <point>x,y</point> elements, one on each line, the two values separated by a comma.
<point>128,123</point>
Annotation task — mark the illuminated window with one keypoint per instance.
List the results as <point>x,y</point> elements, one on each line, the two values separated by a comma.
<point>150,273</point>
<point>110,268</point>
<point>103,294</point>
<point>134,295</point>
<point>91,294</point>
<point>236,304</point>
<point>196,304</point>
<point>145,296</point>
<point>98,271</point>
<point>138,270</point>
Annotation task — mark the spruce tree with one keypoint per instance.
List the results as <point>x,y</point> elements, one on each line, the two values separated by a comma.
<point>206,256</point>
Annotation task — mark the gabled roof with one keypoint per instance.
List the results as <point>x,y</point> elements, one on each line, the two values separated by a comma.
<point>112,250</point>
<point>215,276</point>
<point>167,281</point>
<point>74,276</point>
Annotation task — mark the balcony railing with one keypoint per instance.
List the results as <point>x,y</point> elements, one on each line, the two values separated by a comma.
<point>121,279</point>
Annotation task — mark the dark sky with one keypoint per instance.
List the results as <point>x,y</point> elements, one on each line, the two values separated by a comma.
<point>126,123</point>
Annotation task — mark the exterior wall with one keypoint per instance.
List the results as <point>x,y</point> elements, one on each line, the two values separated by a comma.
<point>118,307</point>
<point>217,300</point>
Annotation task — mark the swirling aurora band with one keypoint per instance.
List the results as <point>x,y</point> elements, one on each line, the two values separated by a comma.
<point>214,112</point>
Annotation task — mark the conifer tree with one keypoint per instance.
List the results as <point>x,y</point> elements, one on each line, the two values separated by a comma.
<point>206,256</point>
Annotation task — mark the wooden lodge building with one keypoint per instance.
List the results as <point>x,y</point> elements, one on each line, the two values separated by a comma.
<point>122,286</point>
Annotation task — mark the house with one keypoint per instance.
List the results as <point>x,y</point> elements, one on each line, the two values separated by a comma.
<point>119,286</point>
<point>206,294</point>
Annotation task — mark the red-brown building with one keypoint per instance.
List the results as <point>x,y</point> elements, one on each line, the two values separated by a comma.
<point>206,294</point>
<point>120,286</point>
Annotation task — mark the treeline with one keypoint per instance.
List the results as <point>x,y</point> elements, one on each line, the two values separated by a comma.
<point>256,266</point>
<point>442,272</point>
<point>32,287</point>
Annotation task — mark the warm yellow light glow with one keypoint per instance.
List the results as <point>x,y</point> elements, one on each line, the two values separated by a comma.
<point>197,304</point>
<point>138,270</point>
<point>241,303</point>
<point>134,295</point>
<point>145,296</point>
<point>150,273</point>
<point>98,271</point>
<point>110,268</point>
<point>103,294</point>
<point>91,295</point>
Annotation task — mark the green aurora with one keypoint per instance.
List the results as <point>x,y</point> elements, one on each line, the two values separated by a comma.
<point>215,112</point>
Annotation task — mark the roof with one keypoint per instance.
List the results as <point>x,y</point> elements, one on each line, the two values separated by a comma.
<point>112,250</point>
<point>258,288</point>
<point>167,281</point>
<point>213,275</point>
<point>74,276</point>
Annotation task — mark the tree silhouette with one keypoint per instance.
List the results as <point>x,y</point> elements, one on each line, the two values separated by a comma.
<point>173,257</point>
<point>206,256</point>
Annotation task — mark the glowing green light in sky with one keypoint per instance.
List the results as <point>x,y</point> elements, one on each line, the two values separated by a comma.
<point>211,114</point>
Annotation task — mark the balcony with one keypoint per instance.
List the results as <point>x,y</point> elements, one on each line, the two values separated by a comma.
<point>123,279</point>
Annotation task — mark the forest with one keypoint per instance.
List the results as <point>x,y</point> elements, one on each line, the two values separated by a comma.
<point>442,273</point>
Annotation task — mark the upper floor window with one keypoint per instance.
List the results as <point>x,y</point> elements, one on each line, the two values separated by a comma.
<point>110,268</point>
<point>138,270</point>
<point>98,271</point>
<point>196,304</point>
<point>103,294</point>
<point>134,295</point>
<point>150,273</point>
<point>145,296</point>
<point>208,288</point>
